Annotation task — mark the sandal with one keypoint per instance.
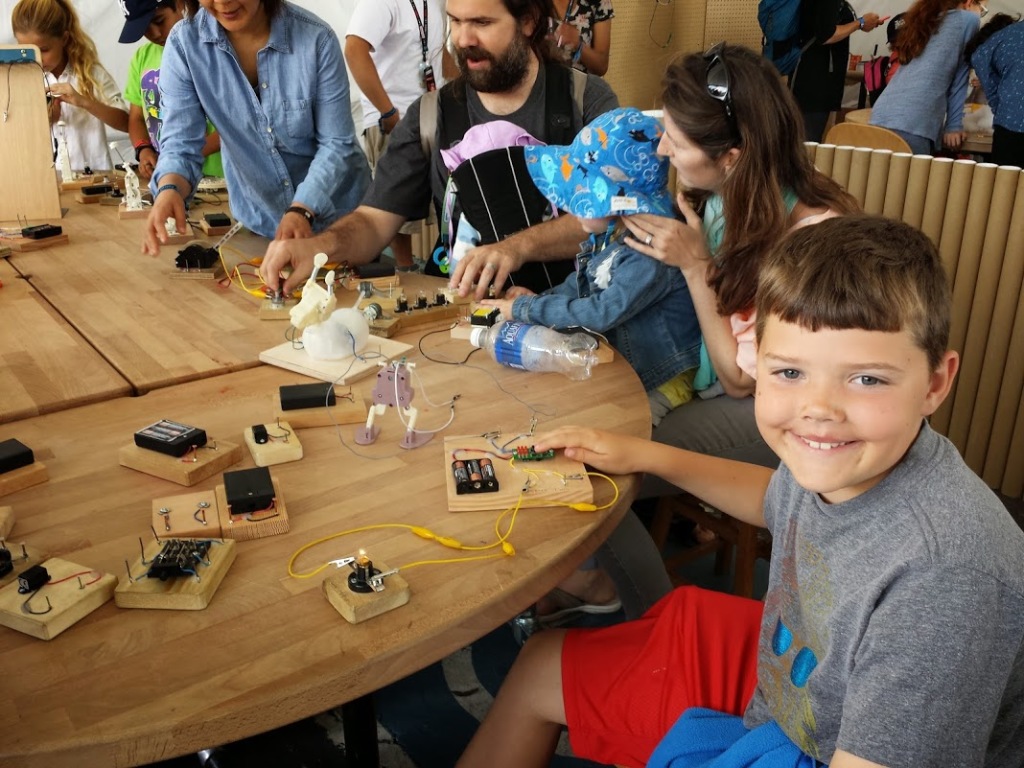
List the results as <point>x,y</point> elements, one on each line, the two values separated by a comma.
<point>570,605</point>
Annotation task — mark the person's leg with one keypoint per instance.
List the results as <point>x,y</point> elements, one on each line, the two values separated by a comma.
<point>1007,147</point>
<point>634,565</point>
<point>919,145</point>
<point>523,725</point>
<point>722,426</point>
<point>814,125</point>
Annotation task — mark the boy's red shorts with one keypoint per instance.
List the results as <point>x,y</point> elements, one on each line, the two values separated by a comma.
<point>625,686</point>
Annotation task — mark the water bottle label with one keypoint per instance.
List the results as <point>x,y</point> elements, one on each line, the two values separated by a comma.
<point>508,346</point>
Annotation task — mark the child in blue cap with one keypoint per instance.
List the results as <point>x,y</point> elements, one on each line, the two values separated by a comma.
<point>641,305</point>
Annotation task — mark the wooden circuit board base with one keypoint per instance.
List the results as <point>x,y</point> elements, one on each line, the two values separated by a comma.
<point>216,272</point>
<point>281,447</point>
<point>92,180</point>
<point>23,557</point>
<point>208,462</point>
<point>360,606</point>
<point>344,371</point>
<point>240,529</point>
<point>342,412</point>
<point>23,477</point>
<point>210,231</point>
<point>185,593</point>
<point>27,244</point>
<point>6,521</point>
<point>393,322</point>
<point>187,516</point>
<point>542,479</point>
<point>182,237</point>
<point>137,213</point>
<point>387,284</point>
<point>69,601</point>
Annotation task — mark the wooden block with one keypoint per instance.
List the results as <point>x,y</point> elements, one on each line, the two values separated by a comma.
<point>282,446</point>
<point>69,601</point>
<point>558,479</point>
<point>210,231</point>
<point>386,284</point>
<point>5,251</point>
<point>138,213</point>
<point>216,272</point>
<point>110,199</point>
<point>23,557</point>
<point>187,516</point>
<point>27,244</point>
<point>91,180</point>
<point>393,322</point>
<point>85,199</point>
<point>261,525</point>
<point>208,462</point>
<point>6,521</point>
<point>185,236</point>
<point>271,311</point>
<point>181,594</point>
<point>23,477</point>
<point>343,411</point>
<point>360,606</point>
<point>344,371</point>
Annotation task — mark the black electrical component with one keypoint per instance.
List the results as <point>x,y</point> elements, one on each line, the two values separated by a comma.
<point>474,476</point>
<point>6,564</point>
<point>374,269</point>
<point>14,455</point>
<point>32,579</point>
<point>217,219</point>
<point>401,303</point>
<point>249,490</point>
<point>296,396</point>
<point>41,231</point>
<point>259,434</point>
<point>98,189</point>
<point>170,438</point>
<point>178,557</point>
<point>195,256</point>
<point>484,316</point>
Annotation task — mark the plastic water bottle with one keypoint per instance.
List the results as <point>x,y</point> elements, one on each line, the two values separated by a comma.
<point>536,348</point>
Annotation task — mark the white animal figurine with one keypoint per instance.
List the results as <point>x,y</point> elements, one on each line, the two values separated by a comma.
<point>317,303</point>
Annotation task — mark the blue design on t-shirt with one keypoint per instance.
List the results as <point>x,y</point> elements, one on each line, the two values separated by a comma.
<point>803,665</point>
<point>782,638</point>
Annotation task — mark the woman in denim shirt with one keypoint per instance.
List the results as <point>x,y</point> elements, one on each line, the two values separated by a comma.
<point>643,306</point>
<point>271,77</point>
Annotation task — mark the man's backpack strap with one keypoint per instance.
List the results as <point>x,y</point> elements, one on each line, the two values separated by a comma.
<point>563,87</point>
<point>428,122</point>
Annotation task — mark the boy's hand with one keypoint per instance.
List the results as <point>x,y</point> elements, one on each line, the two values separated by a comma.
<point>953,139</point>
<point>670,241</point>
<point>605,451</point>
<point>504,306</point>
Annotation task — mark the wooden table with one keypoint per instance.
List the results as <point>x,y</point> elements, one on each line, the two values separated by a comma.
<point>45,365</point>
<point>975,143</point>
<point>153,329</point>
<point>125,687</point>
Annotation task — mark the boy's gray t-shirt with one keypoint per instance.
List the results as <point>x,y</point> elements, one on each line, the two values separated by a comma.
<point>893,622</point>
<point>405,183</point>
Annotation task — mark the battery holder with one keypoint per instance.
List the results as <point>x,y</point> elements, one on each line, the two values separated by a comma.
<point>14,455</point>
<point>296,396</point>
<point>170,438</point>
<point>248,490</point>
<point>41,231</point>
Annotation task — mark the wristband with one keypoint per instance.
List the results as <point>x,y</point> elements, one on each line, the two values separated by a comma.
<point>305,213</point>
<point>860,23</point>
<point>385,115</point>
<point>141,146</point>
<point>164,187</point>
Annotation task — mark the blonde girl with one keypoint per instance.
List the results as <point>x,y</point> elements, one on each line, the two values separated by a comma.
<point>85,96</point>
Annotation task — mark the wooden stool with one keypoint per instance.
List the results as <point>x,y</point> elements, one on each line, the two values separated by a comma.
<point>731,535</point>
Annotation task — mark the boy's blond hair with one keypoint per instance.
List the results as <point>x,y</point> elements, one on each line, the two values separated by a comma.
<point>863,272</point>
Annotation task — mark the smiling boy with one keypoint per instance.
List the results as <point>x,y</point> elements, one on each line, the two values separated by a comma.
<point>891,633</point>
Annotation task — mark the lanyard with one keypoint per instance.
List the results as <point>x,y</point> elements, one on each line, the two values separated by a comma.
<point>422,24</point>
<point>568,11</point>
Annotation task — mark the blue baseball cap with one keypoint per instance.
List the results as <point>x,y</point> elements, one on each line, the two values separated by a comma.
<point>612,168</point>
<point>137,15</point>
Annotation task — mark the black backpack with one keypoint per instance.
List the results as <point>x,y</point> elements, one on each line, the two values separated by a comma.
<point>481,194</point>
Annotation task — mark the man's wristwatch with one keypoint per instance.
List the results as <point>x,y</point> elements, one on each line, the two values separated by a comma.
<point>305,213</point>
<point>860,23</point>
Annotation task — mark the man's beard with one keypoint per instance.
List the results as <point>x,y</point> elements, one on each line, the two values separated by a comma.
<point>505,72</point>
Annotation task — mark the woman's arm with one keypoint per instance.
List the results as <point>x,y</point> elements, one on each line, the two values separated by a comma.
<point>595,56</point>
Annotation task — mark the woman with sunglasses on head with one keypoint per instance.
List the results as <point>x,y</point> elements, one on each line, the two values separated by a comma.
<point>735,137</point>
<point>924,103</point>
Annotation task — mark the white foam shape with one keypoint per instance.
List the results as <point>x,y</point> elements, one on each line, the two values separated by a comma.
<point>317,303</point>
<point>343,334</point>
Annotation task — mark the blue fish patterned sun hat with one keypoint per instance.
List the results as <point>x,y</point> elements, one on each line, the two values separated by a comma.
<point>611,168</point>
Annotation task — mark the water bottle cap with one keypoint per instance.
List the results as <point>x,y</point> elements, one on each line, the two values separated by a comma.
<point>476,336</point>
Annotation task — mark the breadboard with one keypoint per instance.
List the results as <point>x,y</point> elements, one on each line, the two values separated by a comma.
<point>23,557</point>
<point>27,244</point>
<point>344,371</point>
<point>185,517</point>
<point>6,521</point>
<point>544,478</point>
<point>23,477</point>
<point>209,461</point>
<point>181,594</point>
<point>281,447</point>
<point>360,606</point>
<point>69,601</point>
<point>240,529</point>
<point>343,411</point>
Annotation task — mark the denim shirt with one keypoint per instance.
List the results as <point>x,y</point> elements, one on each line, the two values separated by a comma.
<point>642,306</point>
<point>292,142</point>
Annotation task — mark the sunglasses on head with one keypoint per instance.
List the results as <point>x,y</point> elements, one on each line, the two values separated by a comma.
<point>718,82</point>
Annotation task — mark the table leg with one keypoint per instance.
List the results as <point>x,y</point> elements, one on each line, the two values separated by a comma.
<point>359,722</point>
